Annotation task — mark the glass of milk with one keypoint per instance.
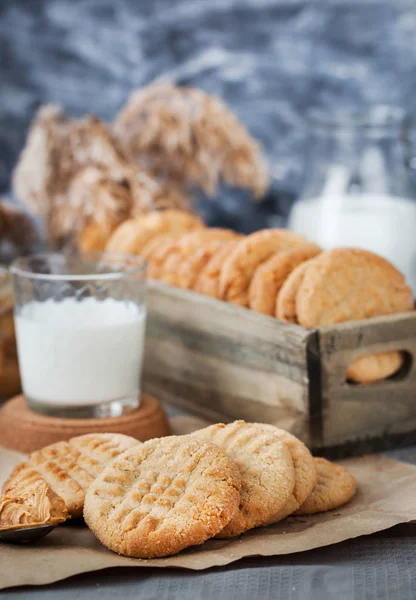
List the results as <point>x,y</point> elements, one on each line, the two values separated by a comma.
<point>80,325</point>
<point>358,191</point>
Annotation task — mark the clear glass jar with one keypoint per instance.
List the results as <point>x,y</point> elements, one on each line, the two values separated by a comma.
<point>357,189</point>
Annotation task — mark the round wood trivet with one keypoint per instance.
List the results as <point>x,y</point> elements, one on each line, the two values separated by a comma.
<point>24,430</point>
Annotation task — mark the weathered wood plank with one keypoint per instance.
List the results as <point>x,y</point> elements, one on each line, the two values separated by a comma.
<point>222,360</point>
<point>352,411</point>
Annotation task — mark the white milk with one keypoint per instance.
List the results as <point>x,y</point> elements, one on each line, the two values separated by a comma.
<point>80,353</point>
<point>380,223</point>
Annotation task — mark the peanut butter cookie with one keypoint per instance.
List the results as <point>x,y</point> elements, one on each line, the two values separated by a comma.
<point>270,276</point>
<point>335,487</point>
<point>159,255</point>
<point>248,254</point>
<point>94,236</point>
<point>306,474</point>
<point>187,247</point>
<point>349,284</point>
<point>156,243</point>
<point>266,467</point>
<point>154,252</point>
<point>286,298</point>
<point>69,467</point>
<point>132,235</point>
<point>207,281</point>
<point>375,367</point>
<point>162,496</point>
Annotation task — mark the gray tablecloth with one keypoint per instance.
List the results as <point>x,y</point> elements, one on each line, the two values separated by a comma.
<point>374,567</point>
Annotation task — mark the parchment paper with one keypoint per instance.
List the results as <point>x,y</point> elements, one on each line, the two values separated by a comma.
<point>386,496</point>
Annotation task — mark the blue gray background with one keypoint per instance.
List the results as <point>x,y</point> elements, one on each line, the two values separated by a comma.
<point>270,60</point>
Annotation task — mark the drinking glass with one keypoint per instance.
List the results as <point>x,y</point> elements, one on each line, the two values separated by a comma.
<point>80,325</point>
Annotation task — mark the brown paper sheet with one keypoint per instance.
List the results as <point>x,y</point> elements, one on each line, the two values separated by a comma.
<point>386,496</point>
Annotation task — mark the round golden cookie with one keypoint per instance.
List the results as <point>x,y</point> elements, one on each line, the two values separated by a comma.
<point>69,467</point>
<point>335,487</point>
<point>132,235</point>
<point>189,267</point>
<point>375,367</point>
<point>154,252</point>
<point>94,237</point>
<point>286,298</point>
<point>207,281</point>
<point>270,276</point>
<point>154,245</point>
<point>163,496</point>
<point>306,474</point>
<point>266,467</point>
<point>187,247</point>
<point>160,254</point>
<point>349,284</point>
<point>252,251</point>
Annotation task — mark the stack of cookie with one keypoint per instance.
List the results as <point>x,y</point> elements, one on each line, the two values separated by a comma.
<point>157,498</point>
<point>275,272</point>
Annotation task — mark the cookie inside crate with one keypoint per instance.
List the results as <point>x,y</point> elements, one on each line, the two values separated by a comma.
<point>223,362</point>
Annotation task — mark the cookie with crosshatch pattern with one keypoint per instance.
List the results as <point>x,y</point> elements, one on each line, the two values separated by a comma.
<point>69,467</point>
<point>306,474</point>
<point>253,250</point>
<point>335,487</point>
<point>266,467</point>
<point>162,496</point>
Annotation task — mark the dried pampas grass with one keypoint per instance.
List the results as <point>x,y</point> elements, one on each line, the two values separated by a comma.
<point>72,172</point>
<point>192,137</point>
<point>83,177</point>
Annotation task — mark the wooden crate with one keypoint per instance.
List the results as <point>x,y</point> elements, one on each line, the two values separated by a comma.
<point>224,362</point>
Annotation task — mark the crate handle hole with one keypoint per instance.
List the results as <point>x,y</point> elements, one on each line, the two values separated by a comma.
<point>362,370</point>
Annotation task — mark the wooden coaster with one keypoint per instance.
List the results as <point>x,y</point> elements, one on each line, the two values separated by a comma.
<point>24,430</point>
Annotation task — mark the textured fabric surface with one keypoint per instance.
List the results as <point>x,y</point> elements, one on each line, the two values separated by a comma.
<point>382,566</point>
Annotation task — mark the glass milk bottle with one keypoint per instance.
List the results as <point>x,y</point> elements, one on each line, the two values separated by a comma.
<point>357,190</point>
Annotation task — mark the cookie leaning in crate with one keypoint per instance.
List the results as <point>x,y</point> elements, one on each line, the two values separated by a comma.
<point>266,271</point>
<point>347,284</point>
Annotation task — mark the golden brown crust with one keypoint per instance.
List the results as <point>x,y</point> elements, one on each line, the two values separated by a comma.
<point>208,280</point>
<point>70,467</point>
<point>163,496</point>
<point>348,284</point>
<point>270,276</point>
<point>189,267</point>
<point>267,471</point>
<point>187,247</point>
<point>286,299</point>
<point>150,250</point>
<point>248,254</point>
<point>375,367</point>
<point>160,256</point>
<point>94,237</point>
<point>132,235</point>
<point>306,474</point>
<point>335,487</point>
